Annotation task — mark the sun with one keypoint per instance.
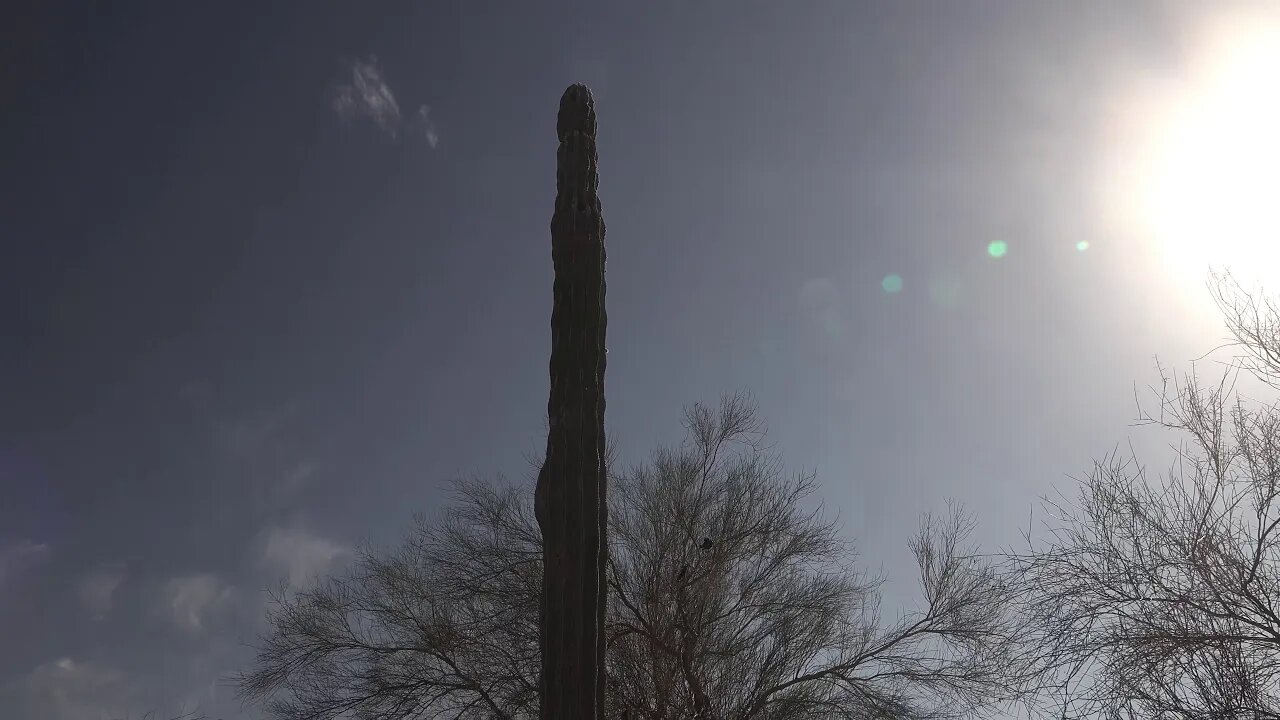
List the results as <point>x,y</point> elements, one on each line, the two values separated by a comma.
<point>1199,155</point>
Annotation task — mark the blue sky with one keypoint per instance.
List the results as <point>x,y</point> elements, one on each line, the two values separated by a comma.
<point>273,275</point>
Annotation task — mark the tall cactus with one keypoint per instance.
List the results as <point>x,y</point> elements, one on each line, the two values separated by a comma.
<point>570,501</point>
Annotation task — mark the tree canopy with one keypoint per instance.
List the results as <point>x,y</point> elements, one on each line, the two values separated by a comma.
<point>732,595</point>
<point>1159,597</point>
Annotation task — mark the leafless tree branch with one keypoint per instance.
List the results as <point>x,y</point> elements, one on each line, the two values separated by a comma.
<point>1160,598</point>
<point>731,597</point>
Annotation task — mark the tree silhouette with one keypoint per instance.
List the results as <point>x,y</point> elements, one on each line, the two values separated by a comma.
<point>1160,598</point>
<point>772,621</point>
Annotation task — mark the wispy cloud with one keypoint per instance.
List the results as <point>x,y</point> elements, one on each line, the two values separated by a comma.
<point>425,125</point>
<point>248,435</point>
<point>68,689</point>
<point>98,587</point>
<point>296,477</point>
<point>18,557</point>
<point>299,555</point>
<point>190,601</point>
<point>363,92</point>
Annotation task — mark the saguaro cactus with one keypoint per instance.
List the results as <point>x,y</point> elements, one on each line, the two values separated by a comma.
<point>570,501</point>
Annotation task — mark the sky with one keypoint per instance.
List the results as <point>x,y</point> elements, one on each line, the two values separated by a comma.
<point>271,276</point>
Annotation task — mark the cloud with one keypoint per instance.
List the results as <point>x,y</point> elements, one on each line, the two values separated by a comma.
<point>299,555</point>
<point>296,477</point>
<point>18,557</point>
<point>67,689</point>
<point>363,92</point>
<point>249,435</point>
<point>422,119</point>
<point>367,95</point>
<point>98,587</point>
<point>191,601</point>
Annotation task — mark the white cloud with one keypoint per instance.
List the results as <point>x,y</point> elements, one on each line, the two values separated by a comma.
<point>18,557</point>
<point>98,587</point>
<point>171,685</point>
<point>367,95</point>
<point>428,127</point>
<point>299,555</point>
<point>67,689</point>
<point>280,491</point>
<point>191,601</point>
<point>363,92</point>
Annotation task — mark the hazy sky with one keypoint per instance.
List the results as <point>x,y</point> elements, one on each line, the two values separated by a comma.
<point>273,274</point>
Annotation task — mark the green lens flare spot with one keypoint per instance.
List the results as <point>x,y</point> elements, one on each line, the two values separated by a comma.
<point>1082,245</point>
<point>997,249</point>
<point>892,283</point>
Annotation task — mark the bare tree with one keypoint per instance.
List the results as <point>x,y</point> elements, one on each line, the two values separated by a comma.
<point>1253,319</point>
<point>154,715</point>
<point>731,601</point>
<point>445,625</point>
<point>728,599</point>
<point>1159,598</point>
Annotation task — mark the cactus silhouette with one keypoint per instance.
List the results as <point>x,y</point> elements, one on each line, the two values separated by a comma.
<point>569,502</point>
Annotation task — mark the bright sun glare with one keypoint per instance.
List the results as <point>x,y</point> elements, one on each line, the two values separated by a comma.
<point>1200,155</point>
